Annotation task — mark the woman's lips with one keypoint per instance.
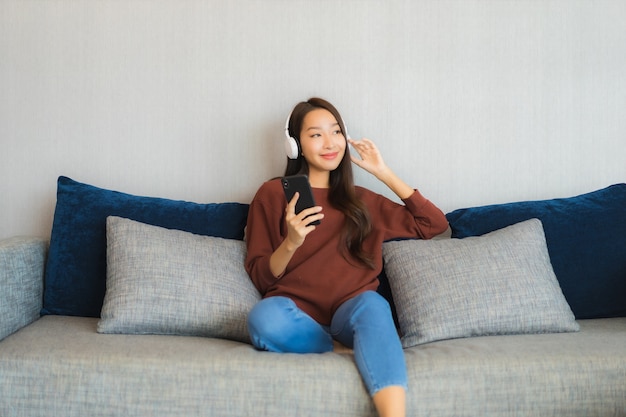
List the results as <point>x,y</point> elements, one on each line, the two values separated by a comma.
<point>332,155</point>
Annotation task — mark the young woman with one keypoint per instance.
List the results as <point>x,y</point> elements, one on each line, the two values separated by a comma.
<point>319,282</point>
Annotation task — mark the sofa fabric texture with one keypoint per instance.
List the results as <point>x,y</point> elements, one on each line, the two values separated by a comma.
<point>498,283</point>
<point>21,282</point>
<point>162,281</point>
<point>76,267</point>
<point>60,365</point>
<point>585,237</point>
<point>566,374</point>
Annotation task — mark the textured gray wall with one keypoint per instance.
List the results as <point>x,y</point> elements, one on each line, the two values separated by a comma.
<point>474,102</point>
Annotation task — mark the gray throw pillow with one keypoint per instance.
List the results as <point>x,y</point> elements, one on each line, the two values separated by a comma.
<point>495,284</point>
<point>162,281</point>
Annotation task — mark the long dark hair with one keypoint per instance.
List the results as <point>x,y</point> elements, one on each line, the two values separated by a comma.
<point>342,194</point>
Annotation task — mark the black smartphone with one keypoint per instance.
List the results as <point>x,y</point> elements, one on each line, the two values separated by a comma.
<point>300,184</point>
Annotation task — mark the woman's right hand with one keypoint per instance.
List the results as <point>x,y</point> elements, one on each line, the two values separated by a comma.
<point>297,230</point>
<point>299,225</point>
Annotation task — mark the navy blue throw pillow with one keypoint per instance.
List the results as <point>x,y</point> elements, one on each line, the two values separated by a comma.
<point>586,238</point>
<point>75,278</point>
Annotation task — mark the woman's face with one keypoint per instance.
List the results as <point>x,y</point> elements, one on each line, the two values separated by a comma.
<point>322,142</point>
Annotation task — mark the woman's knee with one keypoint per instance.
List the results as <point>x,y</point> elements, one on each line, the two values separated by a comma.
<point>276,324</point>
<point>372,304</point>
<point>267,316</point>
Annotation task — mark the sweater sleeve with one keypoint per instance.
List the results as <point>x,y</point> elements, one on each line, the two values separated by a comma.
<point>418,217</point>
<point>263,236</point>
<point>429,219</point>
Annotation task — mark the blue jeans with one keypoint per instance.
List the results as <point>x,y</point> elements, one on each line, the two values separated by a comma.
<point>363,323</point>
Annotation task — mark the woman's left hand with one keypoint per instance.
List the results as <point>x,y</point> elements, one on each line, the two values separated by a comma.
<point>370,158</point>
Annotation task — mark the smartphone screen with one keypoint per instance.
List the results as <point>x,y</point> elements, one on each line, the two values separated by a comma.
<point>300,184</point>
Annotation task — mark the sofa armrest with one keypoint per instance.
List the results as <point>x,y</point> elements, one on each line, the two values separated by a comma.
<point>22,261</point>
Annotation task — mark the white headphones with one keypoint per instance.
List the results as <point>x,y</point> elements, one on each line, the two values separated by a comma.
<point>291,144</point>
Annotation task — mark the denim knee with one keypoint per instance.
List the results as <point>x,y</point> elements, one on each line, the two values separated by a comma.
<point>276,324</point>
<point>375,303</point>
<point>368,308</point>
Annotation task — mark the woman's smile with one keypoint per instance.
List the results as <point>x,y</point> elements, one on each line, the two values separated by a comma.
<point>330,155</point>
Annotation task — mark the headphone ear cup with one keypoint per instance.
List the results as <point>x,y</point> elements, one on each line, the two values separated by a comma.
<point>291,148</point>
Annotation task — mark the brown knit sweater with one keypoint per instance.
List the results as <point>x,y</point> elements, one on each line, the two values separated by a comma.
<point>319,278</point>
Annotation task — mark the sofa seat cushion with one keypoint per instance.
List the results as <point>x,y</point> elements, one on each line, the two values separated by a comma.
<point>566,374</point>
<point>62,366</point>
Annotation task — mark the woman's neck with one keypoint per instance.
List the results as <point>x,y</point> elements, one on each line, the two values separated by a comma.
<point>319,179</point>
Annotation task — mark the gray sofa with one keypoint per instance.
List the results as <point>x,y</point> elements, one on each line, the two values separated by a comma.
<point>60,365</point>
